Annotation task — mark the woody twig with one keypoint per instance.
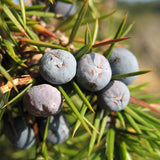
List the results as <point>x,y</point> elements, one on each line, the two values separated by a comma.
<point>17,81</point>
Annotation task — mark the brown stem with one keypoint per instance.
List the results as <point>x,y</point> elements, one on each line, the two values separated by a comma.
<point>18,81</point>
<point>144,104</point>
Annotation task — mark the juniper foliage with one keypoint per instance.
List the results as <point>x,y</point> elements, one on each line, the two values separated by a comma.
<point>26,33</point>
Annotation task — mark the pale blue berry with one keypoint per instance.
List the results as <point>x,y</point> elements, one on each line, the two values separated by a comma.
<point>93,72</point>
<point>114,97</point>
<point>123,61</point>
<point>58,66</point>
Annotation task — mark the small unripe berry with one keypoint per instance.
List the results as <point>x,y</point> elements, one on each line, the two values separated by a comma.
<point>42,100</point>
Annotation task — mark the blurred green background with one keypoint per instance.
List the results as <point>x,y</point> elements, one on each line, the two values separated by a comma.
<point>145,39</point>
